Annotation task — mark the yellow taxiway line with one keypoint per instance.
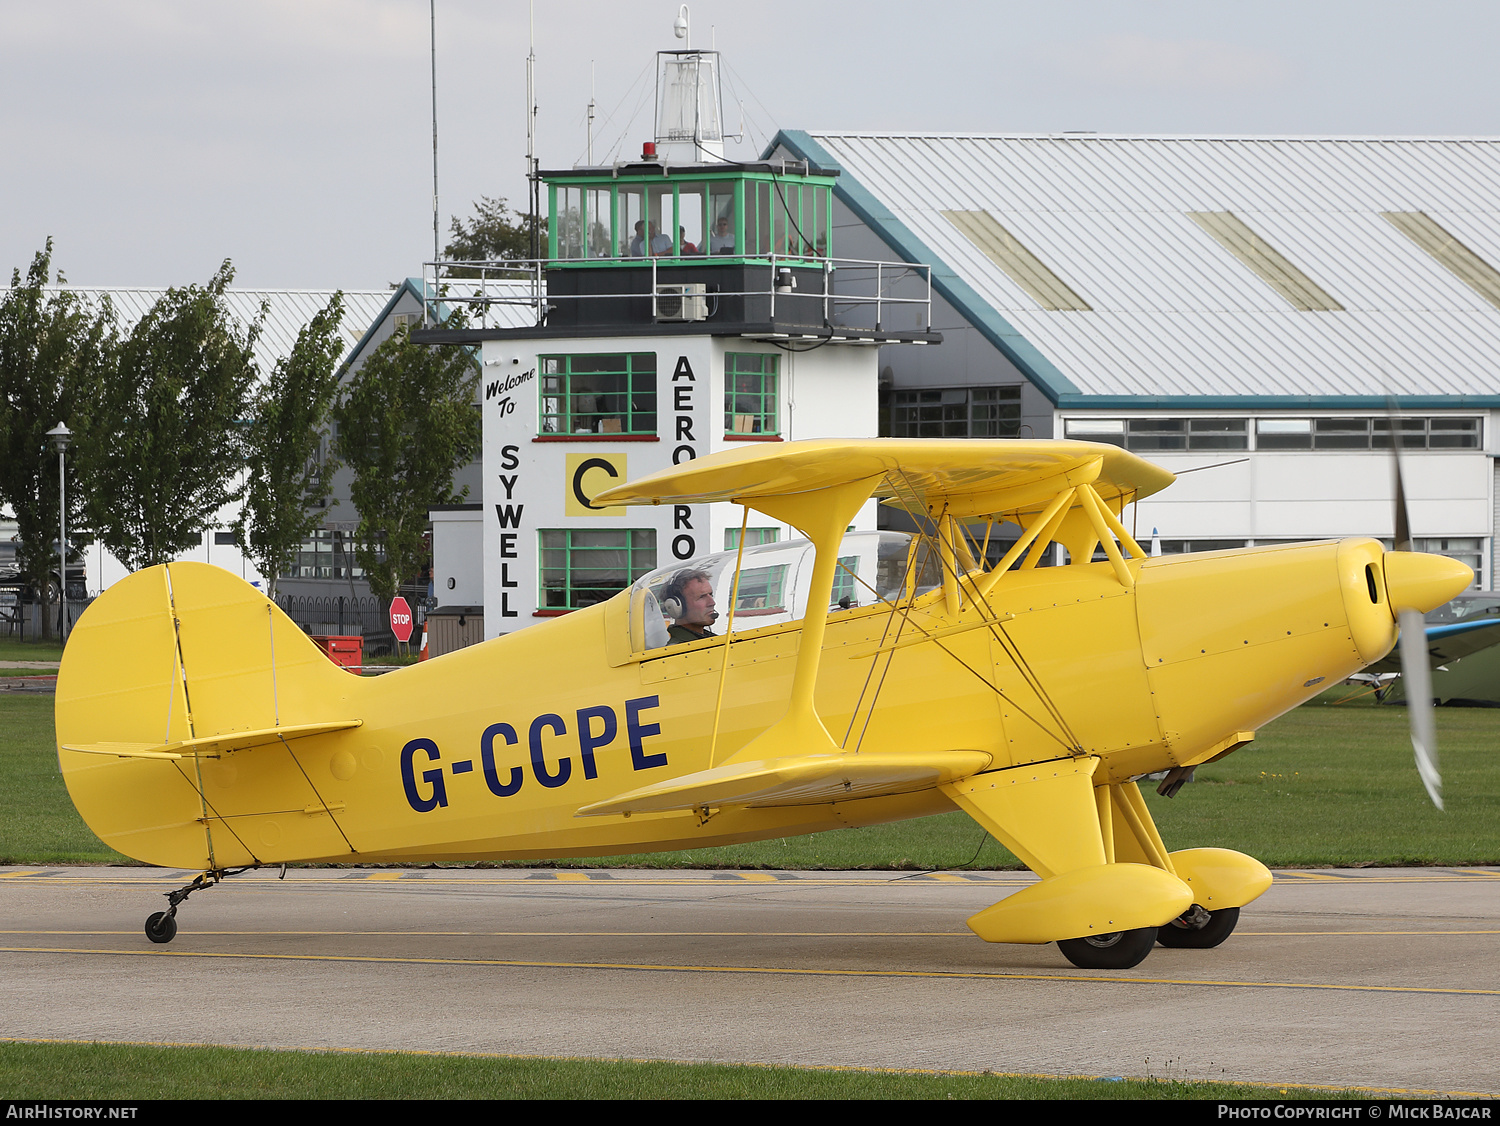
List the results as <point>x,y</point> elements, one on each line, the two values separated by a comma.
<point>787,971</point>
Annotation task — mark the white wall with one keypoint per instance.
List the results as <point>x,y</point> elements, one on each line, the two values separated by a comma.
<point>1315,493</point>
<point>458,557</point>
<point>529,479</point>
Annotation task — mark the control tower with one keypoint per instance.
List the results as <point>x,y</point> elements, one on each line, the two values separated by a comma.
<point>685,304</point>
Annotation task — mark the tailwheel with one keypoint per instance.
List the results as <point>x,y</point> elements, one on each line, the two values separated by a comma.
<point>1117,951</point>
<point>161,927</point>
<point>1199,929</point>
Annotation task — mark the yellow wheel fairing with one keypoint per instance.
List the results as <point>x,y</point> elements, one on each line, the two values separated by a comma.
<point>1085,902</point>
<point>1221,877</point>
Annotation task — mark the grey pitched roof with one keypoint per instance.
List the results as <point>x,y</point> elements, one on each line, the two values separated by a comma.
<point>1183,305</point>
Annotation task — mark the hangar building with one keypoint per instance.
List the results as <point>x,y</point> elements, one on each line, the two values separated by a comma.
<point>1245,303</point>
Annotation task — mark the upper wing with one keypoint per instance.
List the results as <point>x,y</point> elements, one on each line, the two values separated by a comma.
<point>966,477</point>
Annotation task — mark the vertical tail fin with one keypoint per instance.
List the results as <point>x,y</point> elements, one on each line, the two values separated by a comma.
<point>184,687</point>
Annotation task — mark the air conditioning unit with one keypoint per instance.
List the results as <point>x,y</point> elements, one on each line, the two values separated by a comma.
<point>680,303</point>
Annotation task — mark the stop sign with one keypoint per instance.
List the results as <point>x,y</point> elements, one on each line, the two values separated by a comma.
<point>401,623</point>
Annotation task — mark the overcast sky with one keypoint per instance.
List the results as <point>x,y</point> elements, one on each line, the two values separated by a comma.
<point>154,138</point>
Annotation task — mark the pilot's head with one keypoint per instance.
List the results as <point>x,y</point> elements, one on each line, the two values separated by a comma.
<point>689,600</point>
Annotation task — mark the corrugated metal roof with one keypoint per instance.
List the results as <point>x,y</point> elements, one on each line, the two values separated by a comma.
<point>287,312</point>
<point>1175,314</point>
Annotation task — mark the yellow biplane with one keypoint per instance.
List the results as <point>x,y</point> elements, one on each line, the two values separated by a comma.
<point>855,678</point>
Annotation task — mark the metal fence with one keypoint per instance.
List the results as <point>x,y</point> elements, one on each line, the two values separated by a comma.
<point>344,616</point>
<point>854,293</point>
<point>350,616</point>
<point>21,614</point>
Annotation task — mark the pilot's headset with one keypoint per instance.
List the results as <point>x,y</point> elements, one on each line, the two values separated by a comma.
<point>672,604</point>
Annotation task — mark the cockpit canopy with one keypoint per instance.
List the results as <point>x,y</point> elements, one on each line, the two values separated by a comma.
<point>774,581</point>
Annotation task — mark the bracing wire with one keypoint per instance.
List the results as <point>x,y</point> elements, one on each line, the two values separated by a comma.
<point>905,612</point>
<point>996,628</point>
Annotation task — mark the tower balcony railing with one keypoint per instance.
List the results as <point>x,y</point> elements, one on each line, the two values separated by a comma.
<point>847,293</point>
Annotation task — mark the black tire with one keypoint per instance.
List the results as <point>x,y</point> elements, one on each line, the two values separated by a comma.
<point>1118,951</point>
<point>1181,935</point>
<point>161,927</point>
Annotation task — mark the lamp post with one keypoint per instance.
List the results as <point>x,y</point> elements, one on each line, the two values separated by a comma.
<point>61,436</point>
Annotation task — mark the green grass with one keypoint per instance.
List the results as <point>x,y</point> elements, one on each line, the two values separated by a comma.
<point>38,824</point>
<point>14,649</point>
<point>130,1071</point>
<point>1323,785</point>
<point>1336,785</point>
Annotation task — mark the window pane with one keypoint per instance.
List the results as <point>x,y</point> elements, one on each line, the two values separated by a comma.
<point>1111,430</point>
<point>692,233</point>
<point>630,235</point>
<point>751,404</point>
<point>1341,433</point>
<point>754,537</point>
<point>1453,433</point>
<point>762,588</point>
<point>1156,434</point>
<point>1218,434</point>
<point>953,412</point>
<point>721,218</point>
<point>597,204</point>
<point>570,222</point>
<point>1283,433</point>
<point>581,568</point>
<point>599,394</point>
<point>661,230</point>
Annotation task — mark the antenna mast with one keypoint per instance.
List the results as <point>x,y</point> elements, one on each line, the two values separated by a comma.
<point>532,171</point>
<point>432,15</point>
<point>589,158</point>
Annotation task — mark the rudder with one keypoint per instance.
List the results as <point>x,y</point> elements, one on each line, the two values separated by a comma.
<point>173,655</point>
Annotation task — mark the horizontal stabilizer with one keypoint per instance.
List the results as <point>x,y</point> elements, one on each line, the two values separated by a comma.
<point>212,746</point>
<point>799,780</point>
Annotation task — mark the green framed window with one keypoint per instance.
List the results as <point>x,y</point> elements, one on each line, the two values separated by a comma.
<point>582,567</point>
<point>741,216</point>
<point>751,401</point>
<point>599,394</point>
<point>845,585</point>
<point>754,537</point>
<point>762,589</point>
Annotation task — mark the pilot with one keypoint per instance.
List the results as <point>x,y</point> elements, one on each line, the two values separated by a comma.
<point>689,599</point>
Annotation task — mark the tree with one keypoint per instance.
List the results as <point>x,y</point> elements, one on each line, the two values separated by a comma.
<point>405,422</point>
<point>165,442</point>
<point>54,350</point>
<point>287,474</point>
<point>494,232</point>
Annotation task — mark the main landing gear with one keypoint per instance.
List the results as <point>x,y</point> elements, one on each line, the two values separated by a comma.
<point>161,926</point>
<point>1198,929</point>
<point>1117,951</point>
<point>1195,929</point>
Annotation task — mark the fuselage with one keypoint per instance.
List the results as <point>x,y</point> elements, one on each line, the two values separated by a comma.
<point>487,753</point>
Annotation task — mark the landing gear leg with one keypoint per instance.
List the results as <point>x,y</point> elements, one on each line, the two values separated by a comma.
<point>161,926</point>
